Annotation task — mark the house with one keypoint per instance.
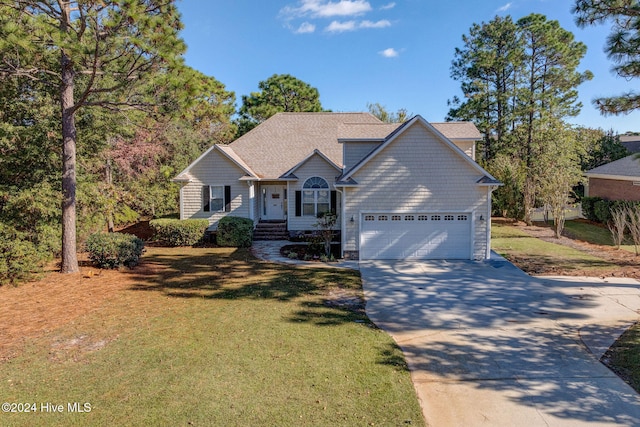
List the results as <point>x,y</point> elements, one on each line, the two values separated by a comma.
<point>618,180</point>
<point>401,191</point>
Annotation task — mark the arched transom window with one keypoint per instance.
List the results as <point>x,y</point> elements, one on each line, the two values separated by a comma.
<point>315,196</point>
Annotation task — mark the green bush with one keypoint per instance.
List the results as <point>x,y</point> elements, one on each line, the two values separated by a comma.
<point>235,232</point>
<point>20,258</point>
<point>602,211</point>
<point>588,207</point>
<point>176,232</point>
<point>113,250</point>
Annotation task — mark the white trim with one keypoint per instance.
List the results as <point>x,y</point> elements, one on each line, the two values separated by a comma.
<point>612,177</point>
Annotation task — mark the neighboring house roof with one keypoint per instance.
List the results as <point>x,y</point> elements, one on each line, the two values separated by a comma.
<point>625,169</point>
<point>631,143</point>
<point>278,146</point>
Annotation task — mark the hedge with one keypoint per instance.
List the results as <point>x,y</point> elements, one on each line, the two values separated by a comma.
<point>599,210</point>
<point>176,232</point>
<point>235,232</point>
<point>114,250</point>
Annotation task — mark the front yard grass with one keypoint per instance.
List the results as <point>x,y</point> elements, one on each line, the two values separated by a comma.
<point>624,357</point>
<point>535,256</point>
<point>212,336</point>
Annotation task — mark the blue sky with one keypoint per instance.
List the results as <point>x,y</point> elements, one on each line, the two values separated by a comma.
<point>396,53</point>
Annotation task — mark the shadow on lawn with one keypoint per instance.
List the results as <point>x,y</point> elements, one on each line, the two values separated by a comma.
<point>326,297</point>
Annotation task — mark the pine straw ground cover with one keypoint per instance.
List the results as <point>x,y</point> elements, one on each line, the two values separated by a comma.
<point>199,336</point>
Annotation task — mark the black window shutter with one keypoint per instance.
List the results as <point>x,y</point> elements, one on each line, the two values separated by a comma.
<point>227,198</point>
<point>334,202</point>
<point>298,203</point>
<point>206,198</point>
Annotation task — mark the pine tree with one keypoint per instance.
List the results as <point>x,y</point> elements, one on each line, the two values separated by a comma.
<point>101,53</point>
<point>621,46</point>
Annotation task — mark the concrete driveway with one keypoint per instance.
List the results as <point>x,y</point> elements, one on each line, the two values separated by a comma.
<point>488,345</point>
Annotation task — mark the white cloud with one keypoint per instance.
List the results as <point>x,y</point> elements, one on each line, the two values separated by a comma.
<point>389,53</point>
<point>505,7</point>
<point>305,28</point>
<point>341,27</point>
<point>378,24</point>
<point>388,6</point>
<point>327,9</point>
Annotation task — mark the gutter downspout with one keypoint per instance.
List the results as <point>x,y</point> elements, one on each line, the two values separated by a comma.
<point>342,220</point>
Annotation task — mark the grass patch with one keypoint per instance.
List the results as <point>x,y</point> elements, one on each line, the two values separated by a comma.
<point>595,234</point>
<point>537,256</point>
<point>212,336</point>
<point>624,357</point>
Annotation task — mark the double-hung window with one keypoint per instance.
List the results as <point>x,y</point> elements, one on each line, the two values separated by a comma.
<point>316,197</point>
<point>216,198</point>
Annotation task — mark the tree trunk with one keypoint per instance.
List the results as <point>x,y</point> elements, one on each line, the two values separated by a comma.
<point>109,179</point>
<point>69,256</point>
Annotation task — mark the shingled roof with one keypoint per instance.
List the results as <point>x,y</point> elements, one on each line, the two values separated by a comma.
<point>627,168</point>
<point>280,143</point>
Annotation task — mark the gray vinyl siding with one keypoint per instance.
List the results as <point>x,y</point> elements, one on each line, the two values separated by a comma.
<point>214,169</point>
<point>417,173</point>
<point>356,151</point>
<point>315,166</point>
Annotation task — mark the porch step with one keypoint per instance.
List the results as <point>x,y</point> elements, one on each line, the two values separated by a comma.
<point>272,230</point>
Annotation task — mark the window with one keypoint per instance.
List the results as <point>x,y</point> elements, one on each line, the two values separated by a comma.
<point>462,217</point>
<point>316,197</point>
<point>408,217</point>
<point>435,217</point>
<point>396,217</point>
<point>216,198</point>
<point>449,217</point>
<point>383,218</point>
<point>369,218</point>
<point>423,217</point>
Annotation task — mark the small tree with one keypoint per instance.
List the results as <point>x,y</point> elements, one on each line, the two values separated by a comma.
<point>326,223</point>
<point>633,216</point>
<point>618,225</point>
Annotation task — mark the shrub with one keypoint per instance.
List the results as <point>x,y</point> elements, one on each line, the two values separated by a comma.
<point>113,250</point>
<point>235,232</point>
<point>588,207</point>
<point>602,211</point>
<point>20,258</point>
<point>176,232</point>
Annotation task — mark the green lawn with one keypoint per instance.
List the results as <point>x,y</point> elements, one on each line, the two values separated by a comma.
<point>624,357</point>
<point>537,256</point>
<point>594,234</point>
<point>212,336</point>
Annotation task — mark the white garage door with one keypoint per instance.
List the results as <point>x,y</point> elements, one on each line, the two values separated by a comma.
<point>415,236</point>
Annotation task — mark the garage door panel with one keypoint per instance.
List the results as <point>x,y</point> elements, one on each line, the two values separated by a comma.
<point>415,236</point>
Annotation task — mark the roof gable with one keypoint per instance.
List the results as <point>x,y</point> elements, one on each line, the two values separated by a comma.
<point>289,174</point>
<point>415,121</point>
<point>226,151</point>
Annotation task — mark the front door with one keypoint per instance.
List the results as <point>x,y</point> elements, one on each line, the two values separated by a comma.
<point>273,198</point>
